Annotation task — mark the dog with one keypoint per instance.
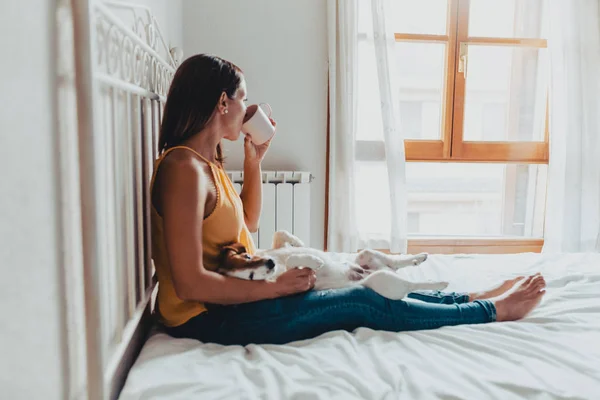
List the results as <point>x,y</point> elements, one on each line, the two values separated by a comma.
<point>369,268</point>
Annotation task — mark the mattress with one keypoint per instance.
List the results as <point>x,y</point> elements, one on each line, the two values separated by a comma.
<point>554,353</point>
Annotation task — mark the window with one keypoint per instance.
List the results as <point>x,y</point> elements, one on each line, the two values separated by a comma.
<point>472,77</point>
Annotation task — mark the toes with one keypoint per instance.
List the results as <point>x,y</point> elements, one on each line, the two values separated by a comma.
<point>543,282</point>
<point>536,288</point>
<point>533,284</point>
<point>540,279</point>
<point>513,280</point>
<point>528,280</point>
<point>537,284</point>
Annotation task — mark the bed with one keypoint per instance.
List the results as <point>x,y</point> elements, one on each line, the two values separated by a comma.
<point>554,353</point>
<point>115,69</point>
<point>121,78</point>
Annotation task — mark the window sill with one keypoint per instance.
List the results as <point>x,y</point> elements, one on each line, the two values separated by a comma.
<point>474,245</point>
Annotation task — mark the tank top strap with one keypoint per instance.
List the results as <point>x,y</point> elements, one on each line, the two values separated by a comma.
<point>189,149</point>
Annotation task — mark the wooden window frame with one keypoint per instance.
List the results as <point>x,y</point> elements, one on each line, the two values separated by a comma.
<point>475,245</point>
<point>451,147</point>
<point>522,152</point>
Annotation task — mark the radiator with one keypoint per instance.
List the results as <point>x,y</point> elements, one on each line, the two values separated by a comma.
<point>286,204</point>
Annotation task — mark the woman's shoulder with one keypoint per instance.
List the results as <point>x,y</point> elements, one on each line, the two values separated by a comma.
<point>181,162</point>
<point>181,172</point>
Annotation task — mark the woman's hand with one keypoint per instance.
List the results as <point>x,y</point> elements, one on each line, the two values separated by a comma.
<point>295,280</point>
<point>255,153</point>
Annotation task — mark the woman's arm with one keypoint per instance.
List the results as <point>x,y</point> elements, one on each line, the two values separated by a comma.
<point>183,196</point>
<point>252,190</point>
<point>252,193</point>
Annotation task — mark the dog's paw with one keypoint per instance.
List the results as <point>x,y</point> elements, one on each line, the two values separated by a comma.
<point>283,238</point>
<point>304,260</point>
<point>420,258</point>
<point>369,259</point>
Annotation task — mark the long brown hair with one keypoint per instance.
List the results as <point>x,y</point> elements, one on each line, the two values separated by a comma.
<point>194,93</point>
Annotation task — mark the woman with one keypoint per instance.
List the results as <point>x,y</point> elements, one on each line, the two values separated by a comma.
<point>195,210</point>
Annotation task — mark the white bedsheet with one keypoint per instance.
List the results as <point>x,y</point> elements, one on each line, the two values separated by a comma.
<point>554,353</point>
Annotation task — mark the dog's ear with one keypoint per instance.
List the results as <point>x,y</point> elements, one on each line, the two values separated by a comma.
<point>223,255</point>
<point>237,248</point>
<point>227,249</point>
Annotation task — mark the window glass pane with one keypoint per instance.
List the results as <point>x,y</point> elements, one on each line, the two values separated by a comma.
<point>408,16</point>
<point>508,18</point>
<point>493,122</point>
<point>457,199</point>
<point>505,94</point>
<point>421,73</point>
<point>411,115</point>
<point>369,119</point>
<point>422,16</point>
<point>420,77</point>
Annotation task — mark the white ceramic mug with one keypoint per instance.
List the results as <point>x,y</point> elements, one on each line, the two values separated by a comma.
<point>257,124</point>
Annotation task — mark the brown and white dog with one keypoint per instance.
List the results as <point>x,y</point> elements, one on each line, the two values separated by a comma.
<point>368,268</point>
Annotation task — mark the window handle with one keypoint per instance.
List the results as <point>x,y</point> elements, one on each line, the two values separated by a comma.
<point>462,61</point>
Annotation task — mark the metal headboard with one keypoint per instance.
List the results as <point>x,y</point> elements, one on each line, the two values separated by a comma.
<point>122,75</point>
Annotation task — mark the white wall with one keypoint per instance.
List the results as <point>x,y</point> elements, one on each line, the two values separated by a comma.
<point>31,345</point>
<point>282,47</point>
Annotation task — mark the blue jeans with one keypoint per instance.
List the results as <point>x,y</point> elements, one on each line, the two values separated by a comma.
<point>310,314</point>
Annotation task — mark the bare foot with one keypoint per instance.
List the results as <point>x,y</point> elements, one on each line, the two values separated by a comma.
<point>519,303</point>
<point>503,288</point>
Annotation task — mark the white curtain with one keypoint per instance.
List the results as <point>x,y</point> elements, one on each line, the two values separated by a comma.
<point>342,20</point>
<point>573,199</point>
<point>352,52</point>
<point>384,42</point>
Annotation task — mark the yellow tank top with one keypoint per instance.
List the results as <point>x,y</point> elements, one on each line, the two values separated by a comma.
<point>224,225</point>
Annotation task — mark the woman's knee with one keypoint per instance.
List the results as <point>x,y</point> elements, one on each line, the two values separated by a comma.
<point>365,297</point>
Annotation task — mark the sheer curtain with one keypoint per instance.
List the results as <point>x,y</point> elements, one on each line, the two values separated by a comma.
<point>384,42</point>
<point>573,199</point>
<point>363,97</point>
<point>342,20</point>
